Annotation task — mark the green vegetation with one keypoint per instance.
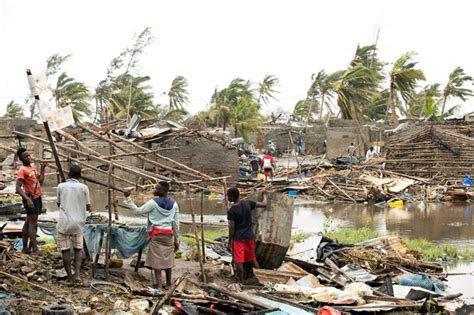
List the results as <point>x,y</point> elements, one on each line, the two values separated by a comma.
<point>352,236</point>
<point>208,234</point>
<point>429,251</point>
<point>368,89</point>
<point>14,110</point>
<point>301,236</point>
<point>432,251</point>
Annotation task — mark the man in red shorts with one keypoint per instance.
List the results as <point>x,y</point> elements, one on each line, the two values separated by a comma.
<point>241,238</point>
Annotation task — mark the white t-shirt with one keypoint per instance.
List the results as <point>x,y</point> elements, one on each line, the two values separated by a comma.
<point>73,198</point>
<point>370,155</point>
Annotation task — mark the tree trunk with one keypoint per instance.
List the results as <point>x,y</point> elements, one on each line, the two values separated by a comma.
<point>391,103</point>
<point>444,104</point>
<point>323,96</point>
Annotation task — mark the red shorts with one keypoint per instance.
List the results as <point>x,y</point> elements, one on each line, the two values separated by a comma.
<point>243,251</point>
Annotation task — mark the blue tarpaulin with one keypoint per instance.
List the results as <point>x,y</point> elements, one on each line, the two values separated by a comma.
<point>126,240</point>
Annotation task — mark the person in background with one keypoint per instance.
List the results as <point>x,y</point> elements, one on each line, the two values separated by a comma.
<point>271,147</point>
<point>28,186</point>
<point>241,237</point>
<point>163,226</point>
<point>73,200</point>
<point>467,182</point>
<point>268,164</point>
<point>351,149</point>
<point>255,166</point>
<point>370,153</point>
<point>298,143</point>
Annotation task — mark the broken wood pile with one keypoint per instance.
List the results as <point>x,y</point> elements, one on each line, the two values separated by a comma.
<point>438,151</point>
<point>355,278</point>
<point>354,184</point>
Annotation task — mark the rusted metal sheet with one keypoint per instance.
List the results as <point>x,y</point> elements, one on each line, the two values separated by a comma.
<point>391,243</point>
<point>265,276</point>
<point>272,228</point>
<point>291,267</point>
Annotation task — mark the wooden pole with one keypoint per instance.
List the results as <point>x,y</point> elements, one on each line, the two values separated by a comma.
<point>92,167</point>
<point>193,217</point>
<point>226,202</point>
<point>145,151</point>
<point>109,206</point>
<point>112,181</point>
<point>97,158</point>
<point>202,227</point>
<point>50,139</point>
<point>168,294</point>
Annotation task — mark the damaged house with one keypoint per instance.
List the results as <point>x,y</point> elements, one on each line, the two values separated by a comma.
<point>433,150</point>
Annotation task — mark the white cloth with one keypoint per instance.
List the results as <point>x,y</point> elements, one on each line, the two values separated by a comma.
<point>370,155</point>
<point>73,198</point>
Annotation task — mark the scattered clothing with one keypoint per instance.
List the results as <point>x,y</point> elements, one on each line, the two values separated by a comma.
<point>126,240</point>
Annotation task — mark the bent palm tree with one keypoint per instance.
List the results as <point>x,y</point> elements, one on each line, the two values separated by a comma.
<point>68,91</point>
<point>178,94</point>
<point>266,89</point>
<point>403,80</point>
<point>454,87</point>
<point>246,117</point>
<point>137,95</point>
<point>322,86</point>
<point>352,89</point>
<point>14,110</point>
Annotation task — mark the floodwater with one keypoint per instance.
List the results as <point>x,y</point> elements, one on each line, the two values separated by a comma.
<point>438,223</point>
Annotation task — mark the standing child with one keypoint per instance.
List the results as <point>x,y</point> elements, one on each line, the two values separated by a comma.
<point>268,163</point>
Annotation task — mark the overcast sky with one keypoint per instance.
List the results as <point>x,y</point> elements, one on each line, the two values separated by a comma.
<point>212,42</point>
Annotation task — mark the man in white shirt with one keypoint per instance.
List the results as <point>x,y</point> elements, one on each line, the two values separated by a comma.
<point>73,201</point>
<point>370,153</point>
<point>351,149</point>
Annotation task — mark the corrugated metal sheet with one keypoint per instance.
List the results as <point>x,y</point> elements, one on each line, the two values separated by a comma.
<point>272,228</point>
<point>391,243</point>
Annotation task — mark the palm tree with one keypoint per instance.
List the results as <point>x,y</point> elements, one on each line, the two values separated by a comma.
<point>266,89</point>
<point>352,89</point>
<point>246,117</point>
<point>304,108</point>
<point>14,110</point>
<point>418,101</point>
<point>454,87</point>
<point>224,102</point>
<point>322,87</point>
<point>138,95</point>
<point>178,98</point>
<point>431,110</point>
<point>178,94</point>
<point>376,108</point>
<point>403,80</point>
<point>68,91</point>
